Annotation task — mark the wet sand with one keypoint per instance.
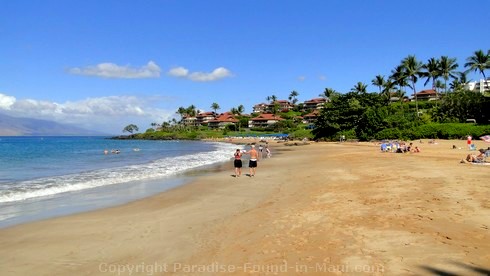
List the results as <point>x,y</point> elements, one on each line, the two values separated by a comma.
<point>321,208</point>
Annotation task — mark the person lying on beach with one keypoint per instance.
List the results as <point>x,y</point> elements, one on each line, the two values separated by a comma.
<point>476,158</point>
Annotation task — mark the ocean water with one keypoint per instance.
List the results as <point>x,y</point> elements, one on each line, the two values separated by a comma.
<point>42,177</point>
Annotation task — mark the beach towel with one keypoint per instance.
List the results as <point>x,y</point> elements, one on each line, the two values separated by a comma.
<point>486,138</point>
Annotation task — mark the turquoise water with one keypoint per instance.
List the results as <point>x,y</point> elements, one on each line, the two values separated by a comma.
<point>60,175</point>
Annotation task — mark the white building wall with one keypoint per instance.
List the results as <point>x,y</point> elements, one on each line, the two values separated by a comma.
<point>480,86</point>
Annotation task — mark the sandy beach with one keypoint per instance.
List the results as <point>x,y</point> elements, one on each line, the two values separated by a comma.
<point>315,209</point>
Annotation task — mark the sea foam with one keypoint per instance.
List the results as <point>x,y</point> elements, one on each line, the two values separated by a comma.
<point>161,168</point>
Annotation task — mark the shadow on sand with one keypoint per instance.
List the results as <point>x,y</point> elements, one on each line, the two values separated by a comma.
<point>469,268</point>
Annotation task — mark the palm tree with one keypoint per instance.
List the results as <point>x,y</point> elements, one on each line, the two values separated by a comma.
<point>165,125</point>
<point>448,68</point>
<point>439,85</point>
<point>174,122</point>
<point>379,81</point>
<point>191,110</point>
<point>292,96</point>
<point>463,78</point>
<point>240,109</point>
<point>479,61</point>
<point>271,98</point>
<point>237,111</point>
<point>455,85</point>
<point>215,107</point>
<point>399,77</point>
<point>459,83</point>
<point>401,96</point>
<point>413,70</point>
<point>328,93</point>
<point>155,126</point>
<point>432,68</point>
<point>387,89</point>
<point>360,88</point>
<point>181,111</point>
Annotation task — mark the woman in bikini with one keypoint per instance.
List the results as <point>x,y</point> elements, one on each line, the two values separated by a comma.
<point>238,163</point>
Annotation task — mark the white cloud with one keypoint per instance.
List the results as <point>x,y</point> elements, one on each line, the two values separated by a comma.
<point>179,72</point>
<point>301,78</point>
<point>216,74</point>
<point>322,78</point>
<point>6,101</point>
<point>107,114</point>
<point>111,70</point>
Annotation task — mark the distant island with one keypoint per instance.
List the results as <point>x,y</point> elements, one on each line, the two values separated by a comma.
<point>13,126</point>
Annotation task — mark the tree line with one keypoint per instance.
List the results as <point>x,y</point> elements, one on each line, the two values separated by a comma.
<point>365,116</point>
<point>362,115</point>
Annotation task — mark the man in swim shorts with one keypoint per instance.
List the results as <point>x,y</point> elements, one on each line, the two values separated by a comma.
<point>254,157</point>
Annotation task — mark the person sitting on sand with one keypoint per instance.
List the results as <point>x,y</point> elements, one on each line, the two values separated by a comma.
<point>476,158</point>
<point>409,148</point>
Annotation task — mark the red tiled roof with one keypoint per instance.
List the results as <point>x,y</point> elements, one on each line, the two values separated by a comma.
<point>312,114</point>
<point>204,114</point>
<point>267,117</point>
<point>225,117</point>
<point>427,92</point>
<point>316,100</point>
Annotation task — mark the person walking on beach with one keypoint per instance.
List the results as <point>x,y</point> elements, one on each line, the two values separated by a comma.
<point>238,163</point>
<point>268,152</point>
<point>252,164</point>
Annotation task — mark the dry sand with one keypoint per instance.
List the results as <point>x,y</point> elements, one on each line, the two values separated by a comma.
<point>322,208</point>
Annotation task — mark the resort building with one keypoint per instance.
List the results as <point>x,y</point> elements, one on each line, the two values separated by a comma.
<point>204,117</point>
<point>311,117</point>
<point>264,120</point>
<point>429,95</point>
<point>316,103</point>
<point>481,86</point>
<point>189,121</point>
<point>259,108</point>
<point>222,120</point>
<point>284,106</point>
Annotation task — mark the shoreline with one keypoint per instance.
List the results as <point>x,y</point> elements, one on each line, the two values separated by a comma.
<point>95,198</point>
<point>324,203</point>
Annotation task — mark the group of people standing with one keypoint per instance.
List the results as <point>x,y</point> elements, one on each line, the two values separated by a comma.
<point>252,163</point>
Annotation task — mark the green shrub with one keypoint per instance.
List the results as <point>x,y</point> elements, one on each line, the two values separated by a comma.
<point>299,134</point>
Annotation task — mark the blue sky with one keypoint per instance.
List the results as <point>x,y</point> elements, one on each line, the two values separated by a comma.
<point>105,64</point>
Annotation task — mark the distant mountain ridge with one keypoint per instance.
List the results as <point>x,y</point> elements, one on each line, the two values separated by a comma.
<point>13,126</point>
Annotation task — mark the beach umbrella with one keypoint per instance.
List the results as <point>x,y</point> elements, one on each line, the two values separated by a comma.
<point>486,138</point>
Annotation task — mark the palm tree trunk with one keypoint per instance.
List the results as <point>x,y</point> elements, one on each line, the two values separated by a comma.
<point>416,102</point>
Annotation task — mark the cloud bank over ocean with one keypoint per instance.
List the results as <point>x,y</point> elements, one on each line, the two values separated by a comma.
<point>109,113</point>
